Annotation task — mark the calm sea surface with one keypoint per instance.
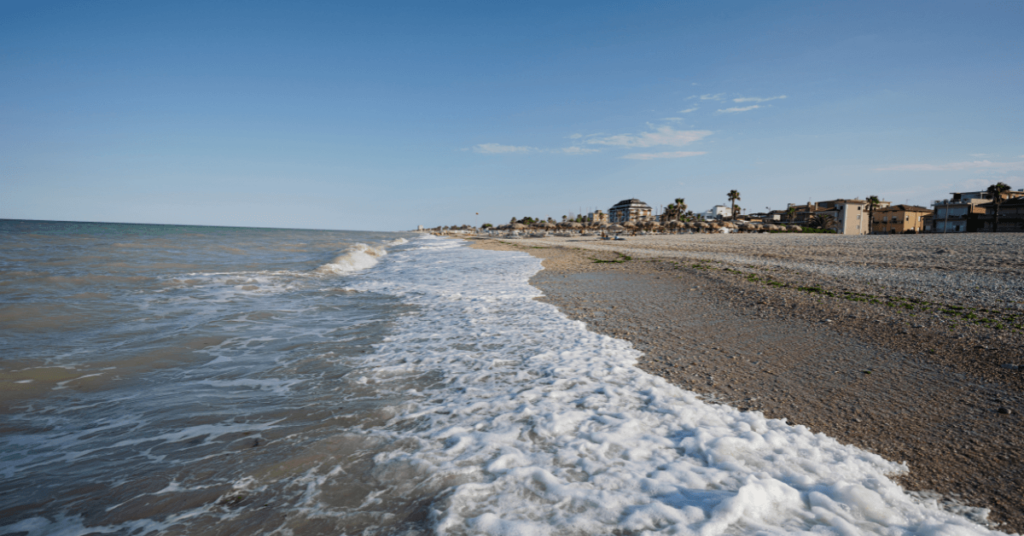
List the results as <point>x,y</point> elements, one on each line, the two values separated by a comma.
<point>201,380</point>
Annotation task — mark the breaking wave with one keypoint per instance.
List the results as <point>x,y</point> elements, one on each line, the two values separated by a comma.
<point>357,258</point>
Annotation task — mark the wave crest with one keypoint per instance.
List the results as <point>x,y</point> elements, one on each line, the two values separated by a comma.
<point>354,259</point>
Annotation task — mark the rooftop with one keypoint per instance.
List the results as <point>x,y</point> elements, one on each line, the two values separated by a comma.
<point>627,203</point>
<point>905,208</point>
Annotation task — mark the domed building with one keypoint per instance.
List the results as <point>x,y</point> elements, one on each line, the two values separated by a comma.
<point>629,210</point>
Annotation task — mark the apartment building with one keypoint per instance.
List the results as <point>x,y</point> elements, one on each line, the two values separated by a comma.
<point>898,219</point>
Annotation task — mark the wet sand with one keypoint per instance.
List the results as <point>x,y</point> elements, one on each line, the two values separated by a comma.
<point>889,374</point>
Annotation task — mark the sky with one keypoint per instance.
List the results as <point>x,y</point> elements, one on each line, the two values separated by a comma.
<point>388,115</point>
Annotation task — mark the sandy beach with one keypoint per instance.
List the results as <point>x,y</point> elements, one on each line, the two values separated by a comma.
<point>906,346</point>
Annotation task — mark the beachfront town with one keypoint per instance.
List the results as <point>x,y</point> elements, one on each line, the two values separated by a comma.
<point>995,209</point>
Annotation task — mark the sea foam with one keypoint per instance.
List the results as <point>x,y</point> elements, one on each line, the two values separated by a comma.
<point>542,427</point>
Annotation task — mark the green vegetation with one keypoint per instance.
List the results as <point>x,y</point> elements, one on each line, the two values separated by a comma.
<point>622,258</point>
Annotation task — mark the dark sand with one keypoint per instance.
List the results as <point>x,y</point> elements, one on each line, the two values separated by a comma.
<point>878,377</point>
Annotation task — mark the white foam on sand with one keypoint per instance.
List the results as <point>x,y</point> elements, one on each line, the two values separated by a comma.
<point>542,427</point>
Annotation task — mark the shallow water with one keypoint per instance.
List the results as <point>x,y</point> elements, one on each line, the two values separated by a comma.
<point>198,380</point>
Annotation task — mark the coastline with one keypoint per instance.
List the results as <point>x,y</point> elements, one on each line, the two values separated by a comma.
<point>859,369</point>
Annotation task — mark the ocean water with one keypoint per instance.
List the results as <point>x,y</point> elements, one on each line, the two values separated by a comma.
<point>196,380</point>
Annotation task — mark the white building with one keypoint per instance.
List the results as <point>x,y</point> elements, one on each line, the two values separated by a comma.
<point>717,212</point>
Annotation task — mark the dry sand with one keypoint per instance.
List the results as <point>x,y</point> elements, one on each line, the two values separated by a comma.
<point>818,331</point>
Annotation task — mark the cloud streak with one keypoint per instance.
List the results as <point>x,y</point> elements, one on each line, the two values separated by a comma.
<point>576,150</point>
<point>660,136</point>
<point>670,154</point>
<point>497,148</point>
<point>739,109</point>
<point>758,99</point>
<point>958,166</point>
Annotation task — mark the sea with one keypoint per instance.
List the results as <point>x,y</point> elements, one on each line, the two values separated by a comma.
<point>166,379</point>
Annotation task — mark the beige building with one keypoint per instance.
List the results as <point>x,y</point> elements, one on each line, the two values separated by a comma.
<point>598,217</point>
<point>629,210</point>
<point>851,215</point>
<point>897,219</point>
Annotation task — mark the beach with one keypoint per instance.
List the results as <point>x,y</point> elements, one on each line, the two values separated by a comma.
<point>905,346</point>
<point>195,380</point>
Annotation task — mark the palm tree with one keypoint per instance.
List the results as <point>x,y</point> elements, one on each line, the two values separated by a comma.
<point>997,190</point>
<point>734,196</point>
<point>823,221</point>
<point>873,203</point>
<point>791,214</point>
<point>680,206</point>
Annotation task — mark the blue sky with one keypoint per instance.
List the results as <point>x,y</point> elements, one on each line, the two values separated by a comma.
<point>387,115</point>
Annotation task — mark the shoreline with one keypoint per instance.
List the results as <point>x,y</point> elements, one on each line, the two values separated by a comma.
<point>862,370</point>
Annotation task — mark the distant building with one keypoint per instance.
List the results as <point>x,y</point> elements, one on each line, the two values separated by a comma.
<point>1011,215</point>
<point>898,219</point>
<point>963,211</point>
<point>598,217</point>
<point>629,210</point>
<point>851,215</point>
<point>717,212</point>
<point>764,216</point>
<point>801,214</point>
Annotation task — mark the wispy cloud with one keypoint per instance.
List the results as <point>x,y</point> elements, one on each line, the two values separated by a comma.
<point>739,109</point>
<point>576,150</point>
<point>758,99</point>
<point>688,110</point>
<point>958,166</point>
<point>671,154</point>
<point>660,136</point>
<point>576,136</point>
<point>497,148</point>
<point>709,96</point>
